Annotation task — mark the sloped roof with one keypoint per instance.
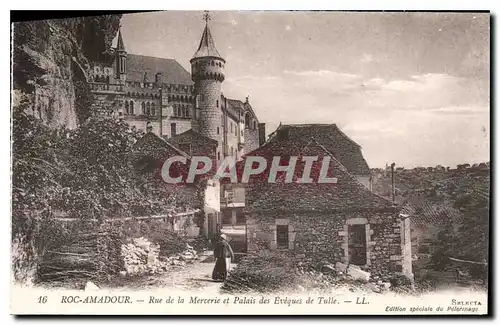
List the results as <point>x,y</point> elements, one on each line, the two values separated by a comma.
<point>236,104</point>
<point>207,46</point>
<point>191,136</point>
<point>119,43</point>
<point>240,105</point>
<point>347,194</point>
<point>150,136</point>
<point>172,71</point>
<point>333,139</point>
<point>424,213</point>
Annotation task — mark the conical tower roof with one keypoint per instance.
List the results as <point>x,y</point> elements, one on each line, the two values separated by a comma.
<point>119,44</point>
<point>207,46</point>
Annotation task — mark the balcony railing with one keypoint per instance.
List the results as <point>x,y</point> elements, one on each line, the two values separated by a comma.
<point>106,88</point>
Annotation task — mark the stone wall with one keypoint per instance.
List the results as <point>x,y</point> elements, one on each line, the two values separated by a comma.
<point>251,139</point>
<point>317,238</point>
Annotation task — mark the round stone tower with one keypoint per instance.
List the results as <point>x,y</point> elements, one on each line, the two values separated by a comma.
<point>207,72</point>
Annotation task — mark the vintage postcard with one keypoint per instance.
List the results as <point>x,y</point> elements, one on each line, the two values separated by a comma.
<point>251,163</point>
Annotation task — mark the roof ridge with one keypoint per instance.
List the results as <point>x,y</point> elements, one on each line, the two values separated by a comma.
<point>196,133</point>
<point>170,145</point>
<point>153,57</point>
<point>353,178</point>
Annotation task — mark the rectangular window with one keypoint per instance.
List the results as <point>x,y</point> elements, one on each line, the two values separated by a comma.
<point>282,236</point>
<point>173,129</point>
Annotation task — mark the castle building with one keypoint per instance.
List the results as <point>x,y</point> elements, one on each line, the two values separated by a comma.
<point>159,95</point>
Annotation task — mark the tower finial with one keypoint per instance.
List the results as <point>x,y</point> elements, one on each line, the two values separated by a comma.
<point>206,16</point>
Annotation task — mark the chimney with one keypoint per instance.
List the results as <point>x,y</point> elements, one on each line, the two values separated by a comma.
<point>262,133</point>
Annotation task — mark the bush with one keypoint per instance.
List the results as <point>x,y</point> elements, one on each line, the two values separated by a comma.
<point>262,272</point>
<point>85,174</point>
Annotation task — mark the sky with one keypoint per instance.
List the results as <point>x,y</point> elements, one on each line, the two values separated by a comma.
<point>409,88</point>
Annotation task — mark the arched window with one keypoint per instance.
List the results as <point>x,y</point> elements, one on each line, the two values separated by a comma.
<point>148,109</point>
<point>212,63</point>
<point>247,120</point>
<point>217,103</point>
<point>143,107</point>
<point>255,125</point>
<point>126,108</point>
<point>132,107</point>
<point>107,79</point>
<point>188,111</point>
<point>153,110</point>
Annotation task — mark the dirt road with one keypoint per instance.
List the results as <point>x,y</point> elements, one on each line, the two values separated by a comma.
<point>193,277</point>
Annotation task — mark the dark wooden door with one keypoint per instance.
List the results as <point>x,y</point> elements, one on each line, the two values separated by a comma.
<point>357,244</point>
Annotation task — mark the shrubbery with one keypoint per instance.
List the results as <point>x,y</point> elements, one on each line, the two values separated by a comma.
<point>263,272</point>
<point>83,173</point>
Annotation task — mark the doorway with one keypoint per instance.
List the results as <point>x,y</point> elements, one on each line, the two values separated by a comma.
<point>357,244</point>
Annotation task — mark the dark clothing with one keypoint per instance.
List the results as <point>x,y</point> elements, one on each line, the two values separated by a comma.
<point>223,254</point>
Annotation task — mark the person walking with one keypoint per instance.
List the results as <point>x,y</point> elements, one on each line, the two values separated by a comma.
<point>223,254</point>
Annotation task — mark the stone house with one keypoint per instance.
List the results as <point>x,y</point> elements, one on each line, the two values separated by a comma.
<point>150,153</point>
<point>321,223</point>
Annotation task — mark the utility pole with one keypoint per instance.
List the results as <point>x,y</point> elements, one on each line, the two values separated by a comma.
<point>392,180</point>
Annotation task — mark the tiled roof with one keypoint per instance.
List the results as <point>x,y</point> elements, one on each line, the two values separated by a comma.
<point>423,212</point>
<point>172,71</point>
<point>240,106</point>
<point>333,139</point>
<point>191,136</point>
<point>207,46</point>
<point>236,104</point>
<point>346,195</point>
<point>149,137</point>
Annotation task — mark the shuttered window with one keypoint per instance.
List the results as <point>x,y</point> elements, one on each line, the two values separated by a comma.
<point>282,236</point>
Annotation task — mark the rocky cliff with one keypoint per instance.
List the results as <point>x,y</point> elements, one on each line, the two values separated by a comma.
<point>50,63</point>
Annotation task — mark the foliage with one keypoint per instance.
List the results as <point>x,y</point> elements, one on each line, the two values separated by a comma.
<point>83,173</point>
<point>467,240</point>
<point>265,271</point>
